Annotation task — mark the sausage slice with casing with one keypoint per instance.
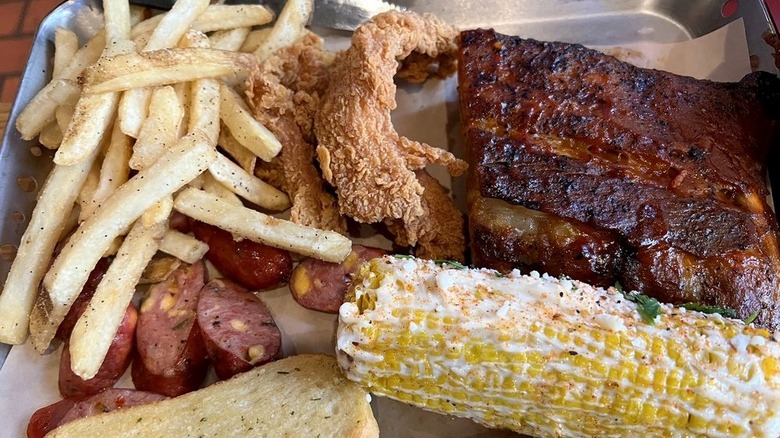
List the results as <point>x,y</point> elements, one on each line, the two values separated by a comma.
<point>47,418</point>
<point>171,358</point>
<point>320,285</point>
<point>237,327</point>
<point>117,359</point>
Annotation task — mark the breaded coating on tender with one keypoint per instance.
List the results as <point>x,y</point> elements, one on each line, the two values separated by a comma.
<point>439,232</point>
<point>360,153</point>
<point>284,94</point>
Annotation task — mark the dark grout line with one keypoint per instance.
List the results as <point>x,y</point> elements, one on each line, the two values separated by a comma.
<point>20,24</point>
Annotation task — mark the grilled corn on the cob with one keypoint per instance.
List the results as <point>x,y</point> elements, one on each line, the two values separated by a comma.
<point>553,357</point>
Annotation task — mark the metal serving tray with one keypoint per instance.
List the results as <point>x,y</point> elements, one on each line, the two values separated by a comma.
<point>24,165</point>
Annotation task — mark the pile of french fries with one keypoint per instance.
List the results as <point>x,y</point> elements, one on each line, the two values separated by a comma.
<point>135,116</point>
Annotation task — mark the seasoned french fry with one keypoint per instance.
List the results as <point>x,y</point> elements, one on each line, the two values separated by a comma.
<point>230,39</point>
<point>95,329</point>
<point>64,114</point>
<point>174,24</point>
<point>48,221</point>
<point>288,28</point>
<point>204,94</point>
<point>133,109</point>
<point>214,187</point>
<point>86,199</point>
<point>204,109</point>
<point>166,32</point>
<point>183,246</point>
<point>114,171</point>
<point>163,67</point>
<point>41,109</point>
<point>187,159</point>
<point>216,17</point>
<point>114,247</point>
<point>255,39</point>
<point>325,245</point>
<point>243,156</point>
<point>88,125</point>
<point>84,57</point>
<point>244,127</point>
<point>66,44</point>
<point>160,130</point>
<point>184,94</point>
<point>91,118</point>
<point>248,186</point>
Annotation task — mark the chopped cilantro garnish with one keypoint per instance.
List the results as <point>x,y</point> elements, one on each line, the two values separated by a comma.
<point>451,263</point>
<point>752,317</point>
<point>619,287</point>
<point>728,312</point>
<point>648,307</point>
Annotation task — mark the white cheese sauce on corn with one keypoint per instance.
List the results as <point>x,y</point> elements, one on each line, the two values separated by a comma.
<point>723,374</point>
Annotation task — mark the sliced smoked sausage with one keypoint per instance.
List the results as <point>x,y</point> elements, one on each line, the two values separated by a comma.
<point>238,329</point>
<point>252,265</point>
<point>82,300</point>
<point>320,285</point>
<point>171,358</point>
<point>46,419</point>
<point>118,358</point>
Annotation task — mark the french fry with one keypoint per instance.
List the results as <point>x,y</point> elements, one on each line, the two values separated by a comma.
<point>250,224</point>
<point>133,109</point>
<point>174,24</point>
<point>243,156</point>
<point>244,127</point>
<point>95,329</point>
<point>186,160</point>
<point>137,14</point>
<point>84,57</point>
<point>229,39</point>
<point>248,186</point>
<point>86,198</point>
<point>160,130</point>
<point>49,219</point>
<point>64,114</point>
<point>288,28</point>
<point>50,136</point>
<point>204,94</point>
<point>158,269</point>
<point>66,44</point>
<point>183,246</point>
<point>114,170</point>
<point>91,118</point>
<point>116,16</point>
<point>255,39</point>
<point>214,187</point>
<point>41,109</point>
<point>204,109</point>
<point>184,94</point>
<point>163,67</point>
<point>166,32</point>
<point>216,17</point>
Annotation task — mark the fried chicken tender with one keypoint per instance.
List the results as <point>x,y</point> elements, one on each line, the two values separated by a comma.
<point>439,232</point>
<point>284,95</point>
<point>360,153</point>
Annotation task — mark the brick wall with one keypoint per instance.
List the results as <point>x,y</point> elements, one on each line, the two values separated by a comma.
<point>18,21</point>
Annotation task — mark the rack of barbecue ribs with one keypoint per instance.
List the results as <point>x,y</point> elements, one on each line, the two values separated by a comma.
<point>586,166</point>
